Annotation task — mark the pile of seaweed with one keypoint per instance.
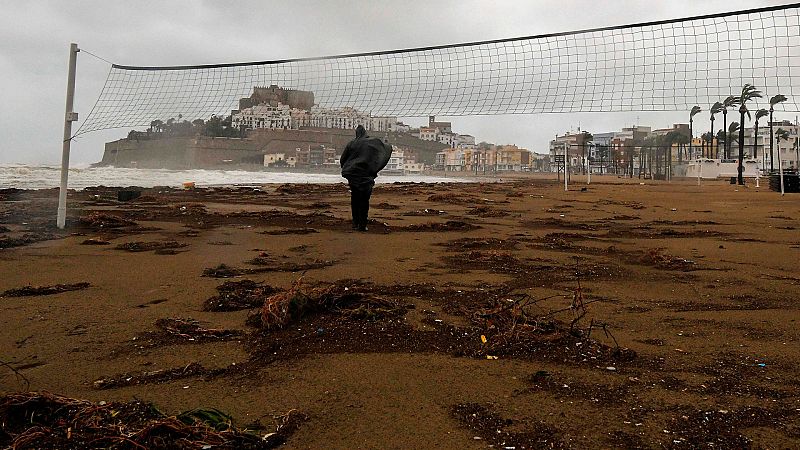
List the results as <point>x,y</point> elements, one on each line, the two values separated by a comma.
<point>284,307</point>
<point>44,420</point>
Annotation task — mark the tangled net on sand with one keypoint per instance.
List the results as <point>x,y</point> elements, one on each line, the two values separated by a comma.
<point>44,420</point>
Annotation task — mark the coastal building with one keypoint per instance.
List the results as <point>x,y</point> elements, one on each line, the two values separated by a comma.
<point>789,149</point>
<point>443,127</point>
<point>275,160</point>
<point>400,127</point>
<point>503,158</point>
<point>317,156</point>
<point>443,132</point>
<point>343,118</point>
<point>414,168</point>
<point>281,116</point>
<point>428,134</point>
<point>264,116</point>
<point>273,95</point>
<point>572,144</point>
<point>396,162</point>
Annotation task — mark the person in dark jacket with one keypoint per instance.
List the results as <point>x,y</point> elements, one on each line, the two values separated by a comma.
<point>362,159</point>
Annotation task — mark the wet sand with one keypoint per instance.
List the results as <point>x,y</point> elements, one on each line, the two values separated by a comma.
<point>691,294</point>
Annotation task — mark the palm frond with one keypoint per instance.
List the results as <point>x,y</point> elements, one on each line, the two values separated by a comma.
<point>749,92</point>
<point>716,108</point>
<point>780,98</point>
<point>695,111</point>
<point>761,113</point>
<point>731,100</point>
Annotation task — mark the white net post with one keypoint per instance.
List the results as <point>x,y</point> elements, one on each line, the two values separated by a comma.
<point>69,117</point>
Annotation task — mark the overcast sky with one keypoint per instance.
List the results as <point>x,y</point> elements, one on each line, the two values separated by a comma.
<point>35,36</point>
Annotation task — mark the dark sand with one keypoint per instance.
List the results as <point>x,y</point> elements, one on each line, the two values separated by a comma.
<point>701,283</point>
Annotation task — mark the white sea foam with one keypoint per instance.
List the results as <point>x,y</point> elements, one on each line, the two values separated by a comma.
<point>43,177</point>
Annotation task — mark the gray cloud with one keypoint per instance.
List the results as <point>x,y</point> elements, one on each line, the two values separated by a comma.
<point>35,38</point>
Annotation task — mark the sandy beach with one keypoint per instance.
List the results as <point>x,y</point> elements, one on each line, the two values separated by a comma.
<point>513,314</point>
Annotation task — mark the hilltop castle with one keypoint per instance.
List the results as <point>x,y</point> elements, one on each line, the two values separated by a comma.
<point>275,94</point>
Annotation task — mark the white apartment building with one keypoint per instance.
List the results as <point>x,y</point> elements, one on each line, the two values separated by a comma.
<point>344,118</point>
<point>465,141</point>
<point>284,117</point>
<point>789,149</point>
<point>263,116</point>
<point>396,162</point>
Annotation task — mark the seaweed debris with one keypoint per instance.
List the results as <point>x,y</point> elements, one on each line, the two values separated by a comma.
<point>139,246</point>
<point>239,295</point>
<point>104,220</point>
<point>30,291</point>
<point>45,420</point>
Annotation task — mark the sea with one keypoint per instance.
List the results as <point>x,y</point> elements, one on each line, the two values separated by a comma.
<point>21,176</point>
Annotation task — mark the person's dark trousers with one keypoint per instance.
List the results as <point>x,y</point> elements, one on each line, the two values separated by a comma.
<point>360,192</point>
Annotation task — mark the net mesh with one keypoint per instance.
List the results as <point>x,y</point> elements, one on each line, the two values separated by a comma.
<point>658,66</point>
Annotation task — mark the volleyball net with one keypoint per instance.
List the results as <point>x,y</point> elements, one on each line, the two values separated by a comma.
<point>668,65</point>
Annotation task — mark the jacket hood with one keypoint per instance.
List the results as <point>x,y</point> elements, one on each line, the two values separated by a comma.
<point>360,132</point>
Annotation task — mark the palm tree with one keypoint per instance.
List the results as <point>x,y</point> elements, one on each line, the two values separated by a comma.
<point>586,137</point>
<point>715,109</point>
<point>781,134</point>
<point>708,138</point>
<point>780,98</point>
<point>682,140</point>
<point>759,114</point>
<point>729,102</point>
<point>720,137</point>
<point>749,92</point>
<point>695,110</point>
<point>733,131</point>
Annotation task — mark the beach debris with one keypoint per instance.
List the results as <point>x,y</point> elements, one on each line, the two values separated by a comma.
<point>98,219</point>
<point>272,265</point>
<point>455,198</point>
<point>450,225</point>
<point>191,330</point>
<point>292,304</point>
<point>425,212</point>
<point>25,239</point>
<point>127,195</point>
<point>155,376</point>
<point>93,241</point>
<point>481,244</point>
<point>44,420</point>
<point>385,205</point>
<point>494,429</point>
<point>290,231</point>
<point>222,271</point>
<point>319,205</point>
<point>485,212</point>
<point>22,380</point>
<point>29,291</point>
<point>268,264</point>
<point>139,246</point>
<point>658,258</point>
<point>239,295</point>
